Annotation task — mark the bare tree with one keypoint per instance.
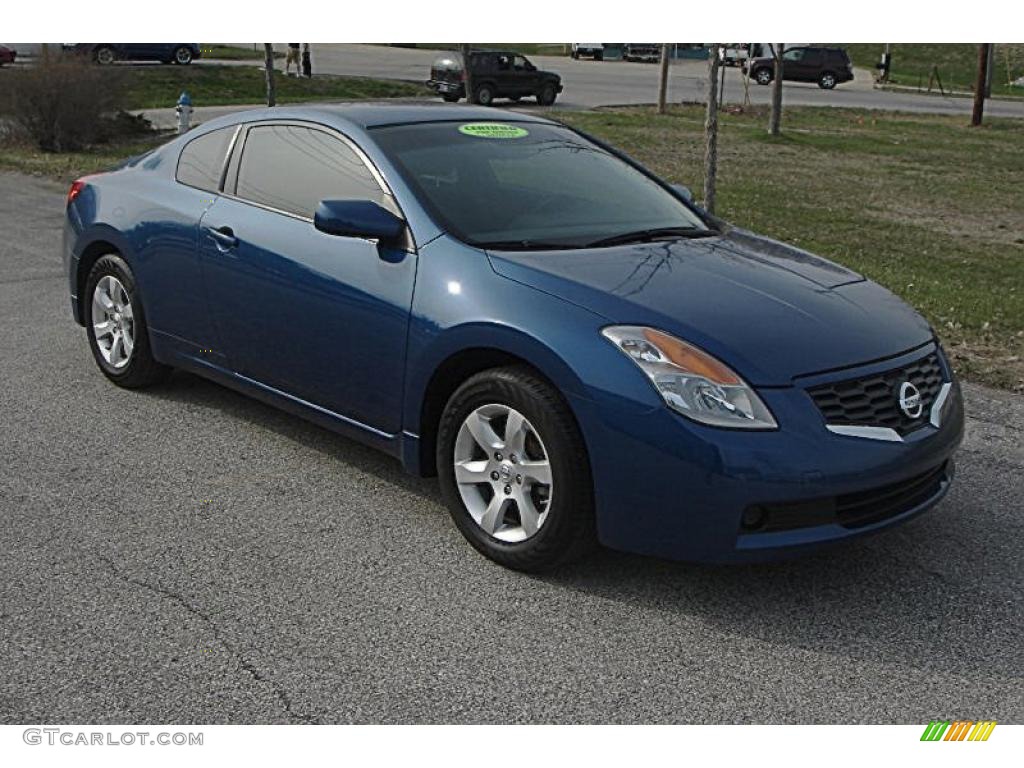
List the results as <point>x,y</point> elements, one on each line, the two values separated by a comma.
<point>979,85</point>
<point>268,63</point>
<point>663,81</point>
<point>467,76</point>
<point>711,131</point>
<point>775,121</point>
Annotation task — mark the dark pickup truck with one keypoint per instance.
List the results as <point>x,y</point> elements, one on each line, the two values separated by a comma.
<point>495,75</point>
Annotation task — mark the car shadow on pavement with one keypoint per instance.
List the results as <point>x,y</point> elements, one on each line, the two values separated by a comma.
<point>940,593</point>
<point>937,594</point>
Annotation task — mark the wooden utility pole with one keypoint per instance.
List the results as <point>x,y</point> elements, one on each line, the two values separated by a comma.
<point>775,121</point>
<point>711,132</point>
<point>979,85</point>
<point>268,64</point>
<point>467,76</point>
<point>663,81</point>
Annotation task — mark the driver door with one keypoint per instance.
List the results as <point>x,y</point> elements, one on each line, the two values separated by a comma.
<point>320,317</point>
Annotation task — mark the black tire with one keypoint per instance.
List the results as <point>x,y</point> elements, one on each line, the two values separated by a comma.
<point>568,533</point>
<point>451,98</point>
<point>827,80</point>
<point>547,95</point>
<point>484,95</point>
<point>104,55</point>
<point>182,55</point>
<point>142,370</point>
<point>763,75</point>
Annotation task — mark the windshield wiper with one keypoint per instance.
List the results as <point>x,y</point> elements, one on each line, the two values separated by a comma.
<point>523,245</point>
<point>647,235</point>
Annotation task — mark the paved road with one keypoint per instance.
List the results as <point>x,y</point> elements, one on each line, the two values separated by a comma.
<point>189,555</point>
<point>602,83</point>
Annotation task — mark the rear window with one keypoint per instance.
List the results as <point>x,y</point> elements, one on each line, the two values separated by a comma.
<point>202,160</point>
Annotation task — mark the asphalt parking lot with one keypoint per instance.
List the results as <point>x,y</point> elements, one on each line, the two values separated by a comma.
<point>186,554</point>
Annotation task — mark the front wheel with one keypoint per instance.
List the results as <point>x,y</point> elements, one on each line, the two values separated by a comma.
<point>514,470</point>
<point>827,80</point>
<point>116,325</point>
<point>451,98</point>
<point>547,95</point>
<point>183,55</point>
<point>104,55</point>
<point>764,76</point>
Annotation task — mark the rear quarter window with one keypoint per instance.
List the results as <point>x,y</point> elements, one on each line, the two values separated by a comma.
<point>202,160</point>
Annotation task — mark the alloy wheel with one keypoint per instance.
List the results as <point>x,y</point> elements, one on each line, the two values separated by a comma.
<point>113,321</point>
<point>503,473</point>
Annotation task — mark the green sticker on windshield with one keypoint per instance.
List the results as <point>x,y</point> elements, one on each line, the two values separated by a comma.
<point>493,130</point>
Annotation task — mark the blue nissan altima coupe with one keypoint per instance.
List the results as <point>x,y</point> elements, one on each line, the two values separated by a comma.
<point>579,352</point>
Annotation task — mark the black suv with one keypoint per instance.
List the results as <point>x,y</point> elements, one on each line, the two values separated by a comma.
<point>825,66</point>
<point>495,75</point>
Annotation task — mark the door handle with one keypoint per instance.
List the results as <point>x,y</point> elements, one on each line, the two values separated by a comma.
<point>224,237</point>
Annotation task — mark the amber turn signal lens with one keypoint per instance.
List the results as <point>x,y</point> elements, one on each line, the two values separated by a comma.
<point>691,359</point>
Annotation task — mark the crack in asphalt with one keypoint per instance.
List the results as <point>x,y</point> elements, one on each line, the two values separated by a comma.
<point>247,666</point>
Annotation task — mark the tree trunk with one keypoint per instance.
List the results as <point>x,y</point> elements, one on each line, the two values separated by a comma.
<point>268,63</point>
<point>467,76</point>
<point>711,132</point>
<point>979,85</point>
<point>663,81</point>
<point>775,122</point>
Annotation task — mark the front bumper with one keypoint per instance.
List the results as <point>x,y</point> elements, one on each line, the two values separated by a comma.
<point>667,487</point>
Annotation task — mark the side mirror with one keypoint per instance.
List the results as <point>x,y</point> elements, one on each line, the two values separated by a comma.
<point>357,218</point>
<point>683,191</point>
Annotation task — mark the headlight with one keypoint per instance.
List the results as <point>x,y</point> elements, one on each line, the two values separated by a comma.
<point>691,381</point>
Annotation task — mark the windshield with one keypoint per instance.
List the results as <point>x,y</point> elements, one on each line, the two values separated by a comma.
<point>528,185</point>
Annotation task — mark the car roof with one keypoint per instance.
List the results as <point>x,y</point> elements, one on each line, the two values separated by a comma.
<point>366,115</point>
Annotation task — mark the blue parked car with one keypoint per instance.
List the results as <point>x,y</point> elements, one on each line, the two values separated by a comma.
<point>579,352</point>
<point>108,53</point>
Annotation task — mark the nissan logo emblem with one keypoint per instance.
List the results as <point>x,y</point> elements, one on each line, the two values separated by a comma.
<point>910,400</point>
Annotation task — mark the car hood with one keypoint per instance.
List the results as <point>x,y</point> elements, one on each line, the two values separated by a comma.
<point>771,311</point>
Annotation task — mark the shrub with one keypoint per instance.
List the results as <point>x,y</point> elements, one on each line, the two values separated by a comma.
<point>64,103</point>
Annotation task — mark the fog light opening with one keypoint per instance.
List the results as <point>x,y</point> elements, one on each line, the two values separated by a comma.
<point>754,519</point>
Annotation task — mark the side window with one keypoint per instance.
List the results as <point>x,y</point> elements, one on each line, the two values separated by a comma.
<point>202,160</point>
<point>793,54</point>
<point>520,64</point>
<point>292,168</point>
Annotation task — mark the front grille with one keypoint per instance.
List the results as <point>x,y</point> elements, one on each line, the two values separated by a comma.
<point>873,401</point>
<point>852,510</point>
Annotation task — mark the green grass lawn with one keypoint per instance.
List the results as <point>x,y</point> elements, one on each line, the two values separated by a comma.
<point>957,64</point>
<point>922,204</point>
<point>152,86</point>
<point>68,166</point>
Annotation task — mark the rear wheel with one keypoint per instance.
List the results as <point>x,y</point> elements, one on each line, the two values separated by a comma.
<point>763,76</point>
<point>116,325</point>
<point>547,95</point>
<point>484,94</point>
<point>451,98</point>
<point>104,55</point>
<point>827,80</point>
<point>183,55</point>
<point>514,470</point>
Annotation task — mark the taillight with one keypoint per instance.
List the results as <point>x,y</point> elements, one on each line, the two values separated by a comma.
<point>76,190</point>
